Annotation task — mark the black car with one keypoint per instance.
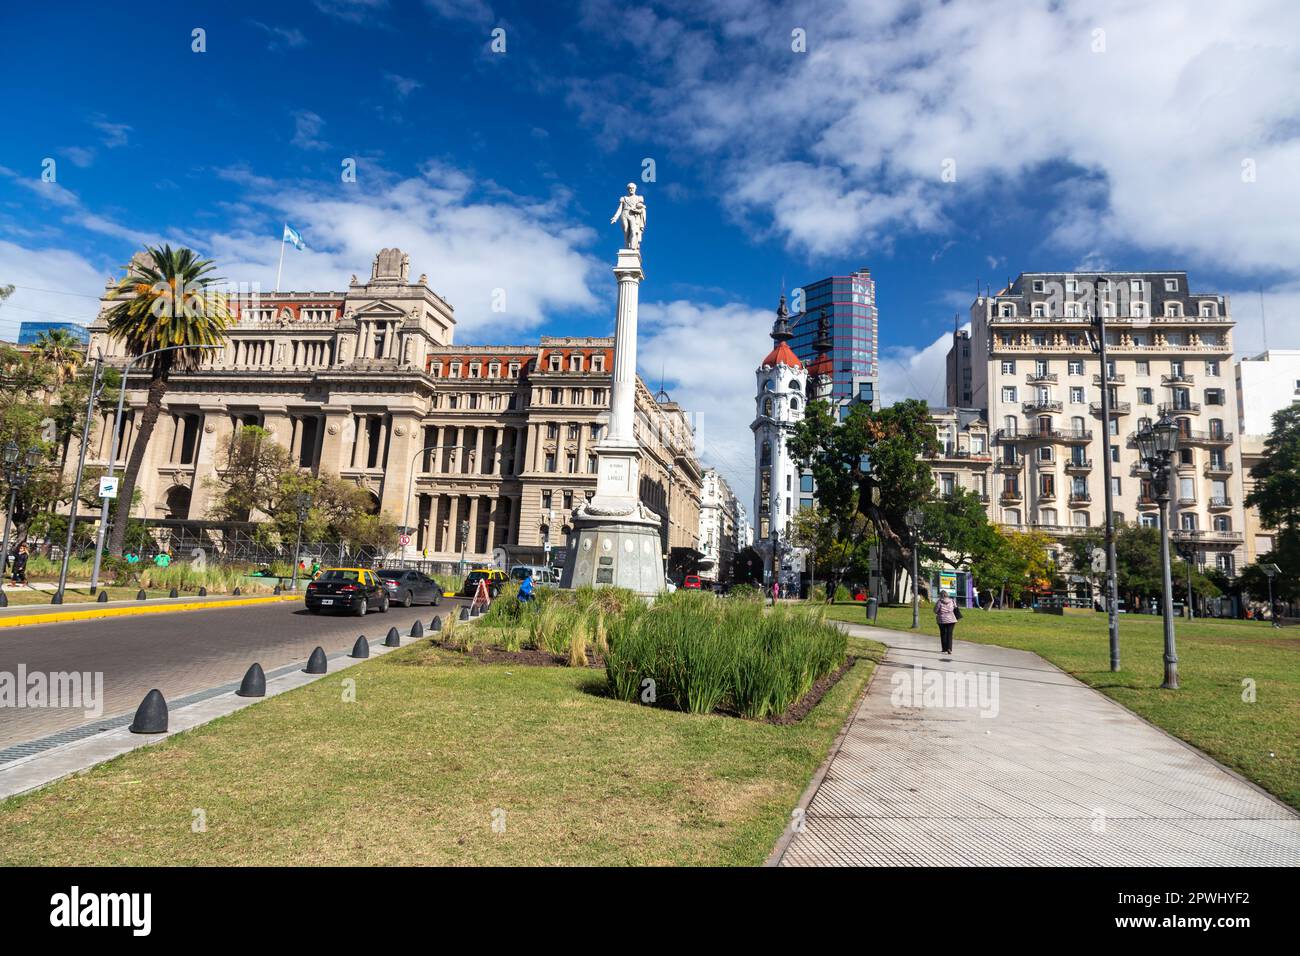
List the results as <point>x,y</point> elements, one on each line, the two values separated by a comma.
<point>356,590</point>
<point>407,587</point>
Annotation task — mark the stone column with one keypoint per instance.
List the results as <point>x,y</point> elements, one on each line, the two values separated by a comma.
<point>478,451</point>
<point>493,505</point>
<point>623,390</point>
<point>473,525</point>
<point>460,450</point>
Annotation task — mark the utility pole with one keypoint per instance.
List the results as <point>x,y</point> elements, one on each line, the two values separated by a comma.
<point>1112,588</point>
<point>76,486</point>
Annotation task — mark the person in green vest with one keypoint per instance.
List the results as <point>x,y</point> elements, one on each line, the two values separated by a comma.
<point>163,559</point>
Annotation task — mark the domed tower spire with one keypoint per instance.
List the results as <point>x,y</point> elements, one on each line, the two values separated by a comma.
<point>781,327</point>
<point>821,377</point>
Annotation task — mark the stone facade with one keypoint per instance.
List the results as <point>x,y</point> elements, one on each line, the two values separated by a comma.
<point>367,385</point>
<point>720,517</point>
<point>965,458</point>
<point>1170,350</point>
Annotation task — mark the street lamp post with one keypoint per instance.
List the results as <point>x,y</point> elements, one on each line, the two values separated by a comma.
<point>913,520</point>
<point>1157,445</point>
<point>112,454</point>
<point>302,503</point>
<point>18,470</point>
<point>464,542</point>
<point>1270,570</point>
<point>76,486</point>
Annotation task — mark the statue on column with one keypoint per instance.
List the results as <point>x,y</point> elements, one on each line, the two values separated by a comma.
<point>631,212</point>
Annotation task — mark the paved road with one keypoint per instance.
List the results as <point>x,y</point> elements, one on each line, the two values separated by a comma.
<point>179,653</point>
<point>1054,774</point>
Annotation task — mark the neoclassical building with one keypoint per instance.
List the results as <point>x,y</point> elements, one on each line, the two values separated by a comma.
<point>474,448</point>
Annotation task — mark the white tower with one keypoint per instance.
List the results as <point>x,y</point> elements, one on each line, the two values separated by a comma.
<point>782,393</point>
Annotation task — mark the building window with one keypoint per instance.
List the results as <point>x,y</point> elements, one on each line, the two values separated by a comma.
<point>1076,395</point>
<point>806,483</point>
<point>546,501</point>
<point>1226,563</point>
<point>1145,396</point>
<point>552,430</point>
<point>1040,285</point>
<point>1212,369</point>
<point>474,369</point>
<point>556,360</point>
<point>571,464</point>
<point>1143,367</point>
<point>494,370</point>
<point>1008,310</point>
<point>455,370</point>
<point>555,396</point>
<point>1045,453</point>
<point>1008,367</point>
<point>1208,310</point>
<point>1009,393</point>
<point>1040,311</point>
<point>550,461</point>
<point>598,363</point>
<point>1171,285</point>
<point>575,362</point>
<point>514,369</point>
<point>1075,367</point>
<point>1173,310</point>
<point>1214,396</point>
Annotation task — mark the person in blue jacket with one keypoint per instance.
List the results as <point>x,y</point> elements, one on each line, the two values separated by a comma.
<point>526,590</point>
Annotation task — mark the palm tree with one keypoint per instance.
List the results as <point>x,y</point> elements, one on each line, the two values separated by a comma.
<point>63,353</point>
<point>168,300</point>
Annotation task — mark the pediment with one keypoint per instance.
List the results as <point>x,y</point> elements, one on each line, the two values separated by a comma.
<point>380,310</point>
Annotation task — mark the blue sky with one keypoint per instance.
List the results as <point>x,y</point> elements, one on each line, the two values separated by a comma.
<point>1106,135</point>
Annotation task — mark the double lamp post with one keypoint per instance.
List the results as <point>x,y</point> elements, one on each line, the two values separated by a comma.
<point>1157,445</point>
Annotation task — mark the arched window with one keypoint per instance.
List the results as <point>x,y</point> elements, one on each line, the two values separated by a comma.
<point>794,404</point>
<point>767,407</point>
<point>766,458</point>
<point>1222,523</point>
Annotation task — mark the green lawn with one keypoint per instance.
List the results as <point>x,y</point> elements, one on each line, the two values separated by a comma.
<point>1260,739</point>
<point>412,772</point>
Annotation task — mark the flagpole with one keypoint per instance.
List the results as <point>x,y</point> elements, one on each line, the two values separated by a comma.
<point>280,268</point>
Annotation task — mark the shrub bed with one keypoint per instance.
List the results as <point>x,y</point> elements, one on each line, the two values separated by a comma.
<point>705,655</point>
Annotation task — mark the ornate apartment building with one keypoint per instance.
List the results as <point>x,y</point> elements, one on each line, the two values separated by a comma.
<point>366,384</point>
<point>965,458</point>
<point>721,514</point>
<point>1169,350</point>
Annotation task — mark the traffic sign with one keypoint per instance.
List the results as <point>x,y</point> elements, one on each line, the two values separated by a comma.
<point>404,540</point>
<point>108,487</point>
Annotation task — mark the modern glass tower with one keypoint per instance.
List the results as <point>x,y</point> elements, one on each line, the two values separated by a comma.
<point>850,304</point>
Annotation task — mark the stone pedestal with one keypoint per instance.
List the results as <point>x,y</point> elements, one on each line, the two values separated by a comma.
<point>615,539</point>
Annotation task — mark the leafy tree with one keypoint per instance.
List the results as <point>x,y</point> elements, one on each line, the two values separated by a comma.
<point>955,528</point>
<point>839,549</point>
<point>1276,495</point>
<point>247,485</point>
<point>872,463</point>
<point>63,354</point>
<point>168,300</point>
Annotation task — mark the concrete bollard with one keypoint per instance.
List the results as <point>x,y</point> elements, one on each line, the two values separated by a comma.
<point>238,591</point>
<point>203,592</point>
<point>253,684</point>
<point>151,715</point>
<point>141,596</point>
<point>393,639</point>
<point>173,593</point>
<point>417,630</point>
<point>361,649</point>
<point>436,624</point>
<point>4,598</point>
<point>464,613</point>
<point>103,598</point>
<point>316,664</point>
<point>277,589</point>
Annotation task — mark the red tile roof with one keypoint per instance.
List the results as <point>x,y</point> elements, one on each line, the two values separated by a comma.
<point>782,355</point>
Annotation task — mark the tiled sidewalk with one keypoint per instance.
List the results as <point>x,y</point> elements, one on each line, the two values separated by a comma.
<point>1061,775</point>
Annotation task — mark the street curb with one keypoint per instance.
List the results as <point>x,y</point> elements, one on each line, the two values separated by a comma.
<point>810,791</point>
<point>63,616</point>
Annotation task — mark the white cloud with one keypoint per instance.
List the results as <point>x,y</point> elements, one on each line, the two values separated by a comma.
<point>707,355</point>
<point>306,127</point>
<point>404,86</point>
<point>54,285</point>
<point>907,372</point>
<point>353,11</point>
<point>78,155</point>
<point>281,37</point>
<point>114,134</point>
<point>845,144</point>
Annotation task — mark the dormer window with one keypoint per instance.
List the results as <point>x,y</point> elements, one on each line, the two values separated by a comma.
<point>575,363</point>
<point>1040,310</point>
<point>1173,310</point>
<point>475,369</point>
<point>1040,285</point>
<point>598,363</point>
<point>1007,310</point>
<point>514,369</point>
<point>1171,285</point>
<point>1208,310</point>
<point>455,370</point>
<point>556,360</point>
<point>494,370</point>
<point>436,369</point>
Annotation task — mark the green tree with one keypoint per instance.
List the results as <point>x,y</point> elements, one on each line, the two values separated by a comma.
<point>955,528</point>
<point>839,549</point>
<point>872,463</point>
<point>168,299</point>
<point>248,483</point>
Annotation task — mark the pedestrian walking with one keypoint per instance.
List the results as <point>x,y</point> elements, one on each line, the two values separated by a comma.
<point>20,565</point>
<point>947,614</point>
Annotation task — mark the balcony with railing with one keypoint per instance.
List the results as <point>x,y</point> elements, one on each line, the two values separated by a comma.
<point>1011,496</point>
<point>1116,379</point>
<point>1179,408</point>
<point>1009,464</point>
<point>1037,406</point>
<point>1080,498</point>
<point>1041,378</point>
<point>1116,408</point>
<point>1182,378</point>
<point>1221,470</point>
<point>1078,466</point>
<point>1192,436</point>
<point>1220,504</point>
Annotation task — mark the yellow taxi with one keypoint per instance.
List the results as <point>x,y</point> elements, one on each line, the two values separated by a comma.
<point>355,590</point>
<point>496,580</point>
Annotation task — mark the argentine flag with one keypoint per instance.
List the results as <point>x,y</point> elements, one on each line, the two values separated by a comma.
<point>291,235</point>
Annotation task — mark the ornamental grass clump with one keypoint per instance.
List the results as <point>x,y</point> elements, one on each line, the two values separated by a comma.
<point>705,655</point>
<point>578,642</point>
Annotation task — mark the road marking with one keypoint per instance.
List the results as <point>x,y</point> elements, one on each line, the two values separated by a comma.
<point>63,616</point>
